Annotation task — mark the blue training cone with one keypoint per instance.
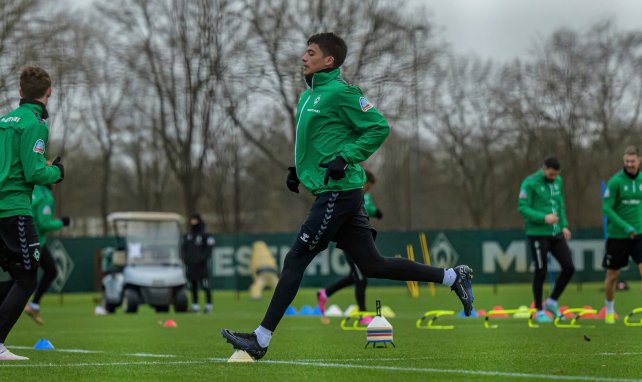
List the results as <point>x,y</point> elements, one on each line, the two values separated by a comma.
<point>306,310</point>
<point>317,311</point>
<point>291,311</point>
<point>43,344</point>
<point>473,313</point>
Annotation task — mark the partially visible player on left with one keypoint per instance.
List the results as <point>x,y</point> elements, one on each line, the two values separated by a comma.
<point>23,138</point>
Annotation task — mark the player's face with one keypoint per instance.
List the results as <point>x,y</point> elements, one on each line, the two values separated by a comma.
<point>550,173</point>
<point>631,163</point>
<point>313,60</point>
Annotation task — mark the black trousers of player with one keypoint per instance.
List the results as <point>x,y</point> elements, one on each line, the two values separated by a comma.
<point>49,274</point>
<point>339,216</point>
<point>539,247</point>
<point>205,284</point>
<point>355,277</point>
<point>19,254</point>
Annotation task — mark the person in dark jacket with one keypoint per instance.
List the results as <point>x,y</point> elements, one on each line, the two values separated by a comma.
<point>196,252</point>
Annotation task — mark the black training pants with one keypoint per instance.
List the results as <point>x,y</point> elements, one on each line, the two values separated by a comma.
<point>539,247</point>
<point>19,255</point>
<point>339,216</point>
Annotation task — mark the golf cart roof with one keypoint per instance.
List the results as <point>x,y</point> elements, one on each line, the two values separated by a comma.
<point>144,216</point>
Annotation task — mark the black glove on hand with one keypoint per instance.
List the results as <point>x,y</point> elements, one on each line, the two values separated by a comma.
<point>292,181</point>
<point>336,169</point>
<point>57,163</point>
<point>66,220</point>
<point>378,214</point>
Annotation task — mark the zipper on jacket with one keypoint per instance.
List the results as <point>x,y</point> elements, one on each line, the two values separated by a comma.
<point>550,188</point>
<point>296,130</point>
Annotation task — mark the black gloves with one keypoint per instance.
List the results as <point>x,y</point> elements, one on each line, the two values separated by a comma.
<point>378,214</point>
<point>57,163</point>
<point>292,181</point>
<point>66,220</point>
<point>336,169</point>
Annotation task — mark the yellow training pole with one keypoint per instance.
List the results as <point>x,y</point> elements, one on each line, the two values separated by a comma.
<point>424,251</point>
<point>413,287</point>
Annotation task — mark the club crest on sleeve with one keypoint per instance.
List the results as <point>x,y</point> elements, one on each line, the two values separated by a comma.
<point>365,105</point>
<point>607,193</point>
<point>522,194</point>
<point>39,147</point>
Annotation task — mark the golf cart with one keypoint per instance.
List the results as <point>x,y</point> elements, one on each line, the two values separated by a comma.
<point>145,267</point>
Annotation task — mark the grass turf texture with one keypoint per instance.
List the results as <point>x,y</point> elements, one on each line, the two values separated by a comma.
<point>137,347</point>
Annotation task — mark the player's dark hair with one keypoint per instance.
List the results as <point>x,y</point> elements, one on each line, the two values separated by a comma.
<point>331,45</point>
<point>631,150</point>
<point>370,177</point>
<point>552,162</point>
<point>34,82</point>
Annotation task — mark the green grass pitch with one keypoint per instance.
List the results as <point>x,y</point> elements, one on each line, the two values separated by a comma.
<point>136,347</point>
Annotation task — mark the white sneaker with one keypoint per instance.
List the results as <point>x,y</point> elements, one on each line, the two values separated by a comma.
<point>6,355</point>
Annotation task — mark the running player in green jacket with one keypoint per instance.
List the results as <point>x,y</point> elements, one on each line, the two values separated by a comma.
<point>23,138</point>
<point>541,203</point>
<point>623,210</point>
<point>336,129</point>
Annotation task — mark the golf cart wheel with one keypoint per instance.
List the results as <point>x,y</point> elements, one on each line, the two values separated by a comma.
<point>130,301</point>
<point>180,300</point>
<point>111,308</point>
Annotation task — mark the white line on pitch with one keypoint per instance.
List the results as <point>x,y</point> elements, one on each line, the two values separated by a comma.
<point>151,355</point>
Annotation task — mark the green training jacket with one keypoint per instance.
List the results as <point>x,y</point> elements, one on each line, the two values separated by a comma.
<point>23,142</point>
<point>43,208</point>
<point>334,118</point>
<point>538,198</point>
<point>622,206</point>
<point>369,206</point>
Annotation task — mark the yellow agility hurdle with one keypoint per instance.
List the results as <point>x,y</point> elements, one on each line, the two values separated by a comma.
<point>579,312</point>
<point>628,318</point>
<point>346,323</point>
<point>429,318</point>
<point>491,313</point>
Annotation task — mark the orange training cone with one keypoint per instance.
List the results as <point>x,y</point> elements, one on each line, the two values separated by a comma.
<point>170,324</point>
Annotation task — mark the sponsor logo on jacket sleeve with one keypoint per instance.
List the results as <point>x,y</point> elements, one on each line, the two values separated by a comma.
<point>39,147</point>
<point>365,105</point>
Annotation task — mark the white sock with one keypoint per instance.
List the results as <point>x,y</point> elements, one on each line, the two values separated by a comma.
<point>550,302</point>
<point>34,306</point>
<point>610,306</point>
<point>449,277</point>
<point>263,336</point>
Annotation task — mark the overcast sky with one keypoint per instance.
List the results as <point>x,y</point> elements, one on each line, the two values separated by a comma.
<point>505,29</point>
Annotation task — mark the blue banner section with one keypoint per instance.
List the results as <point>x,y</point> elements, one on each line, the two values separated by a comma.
<point>496,256</point>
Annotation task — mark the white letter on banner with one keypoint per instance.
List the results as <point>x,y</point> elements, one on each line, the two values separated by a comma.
<point>338,262</point>
<point>322,262</point>
<point>243,259</point>
<point>493,254</point>
<point>223,261</point>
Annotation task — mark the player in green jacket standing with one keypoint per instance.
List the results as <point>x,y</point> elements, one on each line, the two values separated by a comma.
<point>541,203</point>
<point>336,129</point>
<point>43,209</point>
<point>23,138</point>
<point>623,209</point>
